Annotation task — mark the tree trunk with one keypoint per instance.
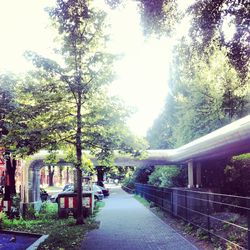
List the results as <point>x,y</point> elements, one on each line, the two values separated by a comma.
<point>9,179</point>
<point>51,175</point>
<point>100,173</point>
<point>67,174</point>
<point>12,175</point>
<point>79,217</point>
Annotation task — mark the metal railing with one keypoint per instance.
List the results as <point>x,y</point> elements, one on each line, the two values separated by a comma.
<point>223,218</point>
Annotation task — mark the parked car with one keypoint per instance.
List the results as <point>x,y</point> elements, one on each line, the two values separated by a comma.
<point>43,194</point>
<point>69,189</point>
<point>105,190</point>
<point>67,186</point>
<point>98,194</point>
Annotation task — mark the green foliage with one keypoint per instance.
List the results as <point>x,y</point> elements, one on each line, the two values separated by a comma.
<point>52,158</point>
<point>66,103</point>
<point>163,176</point>
<point>48,211</point>
<point>206,93</point>
<point>30,212</point>
<point>208,17</point>
<point>7,101</point>
<point>142,174</point>
<point>139,175</point>
<point>98,206</point>
<point>159,136</point>
<point>142,200</point>
<point>49,98</point>
<point>241,157</point>
<point>63,233</point>
<point>237,176</point>
<point>129,182</point>
<point>157,17</point>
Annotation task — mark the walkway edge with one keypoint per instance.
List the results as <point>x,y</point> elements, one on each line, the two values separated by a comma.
<point>165,223</point>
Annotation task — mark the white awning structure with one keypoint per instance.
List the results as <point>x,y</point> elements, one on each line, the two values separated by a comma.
<point>230,140</point>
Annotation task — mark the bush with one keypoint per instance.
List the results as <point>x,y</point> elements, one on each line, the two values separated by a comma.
<point>163,176</point>
<point>48,211</point>
<point>237,176</point>
<point>129,182</point>
<point>140,175</point>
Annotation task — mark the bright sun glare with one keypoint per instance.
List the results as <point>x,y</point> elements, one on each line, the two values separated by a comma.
<point>142,72</point>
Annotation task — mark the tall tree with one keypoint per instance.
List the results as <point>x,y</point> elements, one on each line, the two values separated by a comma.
<point>207,93</point>
<point>208,19</point>
<point>8,105</point>
<point>87,67</point>
<point>67,102</point>
<point>7,101</point>
<point>157,17</point>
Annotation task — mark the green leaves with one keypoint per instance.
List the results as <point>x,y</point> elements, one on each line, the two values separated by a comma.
<point>206,93</point>
<point>208,19</point>
<point>163,176</point>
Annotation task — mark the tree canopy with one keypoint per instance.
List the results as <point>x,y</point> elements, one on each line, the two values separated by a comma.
<point>206,93</point>
<point>65,103</point>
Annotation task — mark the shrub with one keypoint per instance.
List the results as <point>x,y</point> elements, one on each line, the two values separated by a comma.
<point>237,176</point>
<point>140,175</point>
<point>48,211</point>
<point>163,176</point>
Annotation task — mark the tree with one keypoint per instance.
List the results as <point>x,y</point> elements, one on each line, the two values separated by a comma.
<point>7,101</point>
<point>7,105</point>
<point>67,103</point>
<point>206,93</point>
<point>160,134</point>
<point>208,19</point>
<point>86,69</point>
<point>157,17</point>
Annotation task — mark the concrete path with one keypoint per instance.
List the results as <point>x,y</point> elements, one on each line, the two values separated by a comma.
<point>128,225</point>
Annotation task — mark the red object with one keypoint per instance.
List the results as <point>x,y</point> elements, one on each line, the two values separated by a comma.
<point>71,202</point>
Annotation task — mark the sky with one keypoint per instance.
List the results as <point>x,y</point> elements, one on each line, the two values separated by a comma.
<point>142,72</point>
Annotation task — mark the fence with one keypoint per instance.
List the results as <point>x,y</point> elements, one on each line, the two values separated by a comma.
<point>224,219</point>
<point>128,190</point>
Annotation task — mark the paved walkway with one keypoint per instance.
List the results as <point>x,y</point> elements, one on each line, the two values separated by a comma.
<point>128,225</point>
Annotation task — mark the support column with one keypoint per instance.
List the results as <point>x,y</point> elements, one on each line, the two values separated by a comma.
<point>198,175</point>
<point>190,174</point>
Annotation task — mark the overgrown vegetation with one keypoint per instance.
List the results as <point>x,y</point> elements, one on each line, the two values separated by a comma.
<point>63,233</point>
<point>237,176</point>
<point>140,175</point>
<point>161,176</point>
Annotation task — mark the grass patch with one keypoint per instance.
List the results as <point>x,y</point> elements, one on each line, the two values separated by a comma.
<point>99,205</point>
<point>63,233</point>
<point>142,200</point>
